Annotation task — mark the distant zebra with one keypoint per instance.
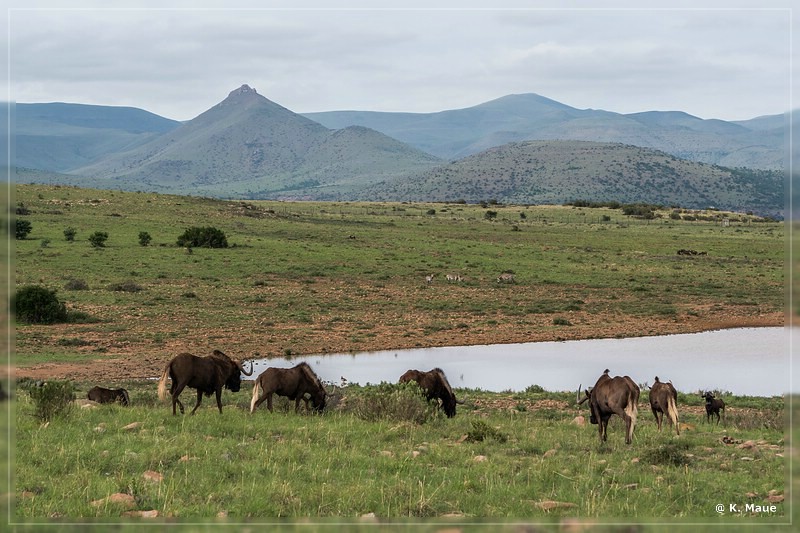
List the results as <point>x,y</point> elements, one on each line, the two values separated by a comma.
<point>506,277</point>
<point>429,278</point>
<point>454,277</point>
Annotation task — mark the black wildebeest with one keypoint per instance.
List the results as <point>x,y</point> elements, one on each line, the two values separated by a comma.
<point>713,406</point>
<point>609,396</point>
<point>294,383</point>
<point>103,395</point>
<point>435,385</point>
<point>664,400</point>
<point>206,374</point>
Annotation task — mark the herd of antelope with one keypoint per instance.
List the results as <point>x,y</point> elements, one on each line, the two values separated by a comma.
<point>505,277</point>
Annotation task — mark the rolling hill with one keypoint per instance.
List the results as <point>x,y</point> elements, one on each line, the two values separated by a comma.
<point>454,134</point>
<point>248,146</point>
<point>555,172</point>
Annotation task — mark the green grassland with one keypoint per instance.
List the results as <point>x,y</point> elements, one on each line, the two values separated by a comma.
<point>314,277</point>
<point>524,461</point>
<point>302,278</point>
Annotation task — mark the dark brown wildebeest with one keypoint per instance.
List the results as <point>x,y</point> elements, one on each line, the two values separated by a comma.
<point>609,396</point>
<point>664,400</point>
<point>713,406</point>
<point>206,374</point>
<point>294,383</point>
<point>103,395</point>
<point>436,386</point>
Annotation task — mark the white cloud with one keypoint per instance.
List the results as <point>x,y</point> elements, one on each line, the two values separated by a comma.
<point>721,63</point>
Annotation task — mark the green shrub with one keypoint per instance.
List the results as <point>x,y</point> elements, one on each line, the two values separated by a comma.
<point>482,431</point>
<point>69,234</point>
<point>98,239</point>
<point>52,398</point>
<point>22,229</point>
<point>144,238</point>
<point>205,237</point>
<point>125,286</point>
<point>76,285</point>
<point>38,305</point>
<point>396,402</point>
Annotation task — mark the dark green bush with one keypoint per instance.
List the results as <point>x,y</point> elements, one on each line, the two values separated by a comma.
<point>482,431</point>
<point>144,238</point>
<point>22,229</point>
<point>69,234</point>
<point>52,398</point>
<point>38,305</point>
<point>205,237</point>
<point>98,239</point>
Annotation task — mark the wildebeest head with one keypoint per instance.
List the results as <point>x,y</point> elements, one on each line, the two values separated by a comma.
<point>234,369</point>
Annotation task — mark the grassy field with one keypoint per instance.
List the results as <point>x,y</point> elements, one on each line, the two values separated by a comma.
<point>301,278</point>
<point>503,458</point>
<point>308,278</point>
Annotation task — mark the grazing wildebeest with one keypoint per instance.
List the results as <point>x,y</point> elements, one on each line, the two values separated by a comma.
<point>294,383</point>
<point>505,277</point>
<point>436,386</point>
<point>713,406</point>
<point>206,374</point>
<point>103,395</point>
<point>617,395</point>
<point>664,400</point>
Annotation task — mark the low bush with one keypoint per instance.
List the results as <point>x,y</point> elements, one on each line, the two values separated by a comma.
<point>205,237</point>
<point>52,398</point>
<point>390,401</point>
<point>35,304</point>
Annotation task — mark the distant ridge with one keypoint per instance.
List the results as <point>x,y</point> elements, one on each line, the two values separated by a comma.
<point>247,146</point>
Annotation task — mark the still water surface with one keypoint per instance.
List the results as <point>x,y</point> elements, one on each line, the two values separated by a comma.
<point>745,361</point>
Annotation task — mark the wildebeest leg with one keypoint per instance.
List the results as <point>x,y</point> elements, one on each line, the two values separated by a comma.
<point>658,419</point>
<point>199,399</point>
<point>269,401</point>
<point>297,404</point>
<point>219,399</point>
<point>175,392</point>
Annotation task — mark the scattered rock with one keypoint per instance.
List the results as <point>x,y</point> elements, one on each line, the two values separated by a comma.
<point>631,486</point>
<point>747,445</point>
<point>415,453</point>
<point>635,460</point>
<point>579,421</point>
<point>549,453</point>
<point>549,505</point>
<point>153,477</point>
<point>142,514</point>
<point>479,458</point>
<point>387,453</point>
<point>125,500</point>
<point>132,426</point>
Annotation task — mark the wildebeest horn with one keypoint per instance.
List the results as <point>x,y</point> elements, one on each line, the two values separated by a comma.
<point>245,372</point>
<point>578,393</point>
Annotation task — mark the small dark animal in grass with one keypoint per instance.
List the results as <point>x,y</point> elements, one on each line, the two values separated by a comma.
<point>664,400</point>
<point>296,383</point>
<point>103,395</point>
<point>713,406</point>
<point>206,374</point>
<point>613,396</point>
<point>436,386</point>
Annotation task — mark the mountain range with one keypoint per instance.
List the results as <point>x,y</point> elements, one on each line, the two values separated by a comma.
<point>519,148</point>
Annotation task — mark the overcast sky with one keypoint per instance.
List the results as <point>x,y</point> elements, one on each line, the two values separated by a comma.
<point>719,61</point>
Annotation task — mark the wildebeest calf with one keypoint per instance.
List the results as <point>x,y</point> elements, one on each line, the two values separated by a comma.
<point>713,406</point>
<point>296,383</point>
<point>103,395</point>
